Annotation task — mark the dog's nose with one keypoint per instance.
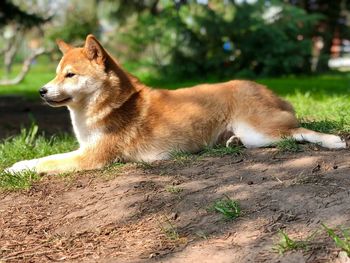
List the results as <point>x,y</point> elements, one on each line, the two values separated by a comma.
<point>42,91</point>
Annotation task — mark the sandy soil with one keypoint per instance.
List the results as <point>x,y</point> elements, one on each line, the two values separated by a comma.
<point>124,214</point>
<point>160,212</point>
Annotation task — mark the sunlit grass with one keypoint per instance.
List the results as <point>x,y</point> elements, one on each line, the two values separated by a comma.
<point>321,103</point>
<point>41,72</point>
<point>29,144</point>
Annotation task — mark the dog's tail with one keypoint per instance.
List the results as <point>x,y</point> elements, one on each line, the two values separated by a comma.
<point>325,140</point>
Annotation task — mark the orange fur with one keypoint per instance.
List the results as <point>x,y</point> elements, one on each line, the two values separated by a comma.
<point>115,117</point>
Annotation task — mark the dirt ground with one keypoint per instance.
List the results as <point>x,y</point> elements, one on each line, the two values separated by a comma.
<point>160,212</point>
<point>17,112</point>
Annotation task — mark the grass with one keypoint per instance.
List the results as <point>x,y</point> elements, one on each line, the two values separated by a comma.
<point>29,144</point>
<point>342,241</point>
<point>169,229</point>
<point>41,72</point>
<point>288,145</point>
<point>182,157</point>
<point>288,244</point>
<point>321,103</point>
<point>228,208</point>
<point>221,151</point>
<point>173,189</point>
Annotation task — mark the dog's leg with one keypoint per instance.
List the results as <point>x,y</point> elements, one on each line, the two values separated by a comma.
<point>60,163</point>
<point>325,140</point>
<point>233,141</point>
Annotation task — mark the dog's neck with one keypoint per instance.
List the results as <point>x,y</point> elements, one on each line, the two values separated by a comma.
<point>102,113</point>
<point>85,134</point>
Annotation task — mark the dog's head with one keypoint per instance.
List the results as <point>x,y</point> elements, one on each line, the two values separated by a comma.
<point>81,74</point>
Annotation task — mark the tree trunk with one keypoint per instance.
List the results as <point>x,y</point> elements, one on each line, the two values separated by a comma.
<point>25,68</point>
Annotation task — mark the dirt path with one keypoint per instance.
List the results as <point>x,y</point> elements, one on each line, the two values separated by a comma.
<point>17,112</point>
<point>159,212</point>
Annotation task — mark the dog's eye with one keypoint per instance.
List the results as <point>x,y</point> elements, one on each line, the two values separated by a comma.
<point>69,75</point>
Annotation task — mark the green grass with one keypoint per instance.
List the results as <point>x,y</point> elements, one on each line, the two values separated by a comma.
<point>321,103</point>
<point>41,73</point>
<point>173,189</point>
<point>184,158</point>
<point>221,151</point>
<point>29,144</point>
<point>228,208</point>
<point>287,244</point>
<point>342,241</point>
<point>288,145</point>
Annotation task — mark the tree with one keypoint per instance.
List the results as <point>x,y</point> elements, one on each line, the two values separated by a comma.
<point>10,13</point>
<point>224,38</point>
<point>14,23</point>
<point>335,22</point>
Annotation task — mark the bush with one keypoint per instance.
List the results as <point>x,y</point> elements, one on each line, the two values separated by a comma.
<point>225,38</point>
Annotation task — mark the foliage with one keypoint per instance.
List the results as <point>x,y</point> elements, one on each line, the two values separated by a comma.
<point>225,38</point>
<point>288,244</point>
<point>334,23</point>
<point>79,20</point>
<point>288,145</point>
<point>343,242</point>
<point>230,209</point>
<point>9,12</point>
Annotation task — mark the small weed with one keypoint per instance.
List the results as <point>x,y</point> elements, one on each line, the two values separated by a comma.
<point>182,157</point>
<point>229,208</point>
<point>173,189</point>
<point>169,229</point>
<point>113,167</point>
<point>288,244</point>
<point>218,150</point>
<point>343,241</point>
<point>202,234</point>
<point>221,151</point>
<point>144,165</point>
<point>288,145</point>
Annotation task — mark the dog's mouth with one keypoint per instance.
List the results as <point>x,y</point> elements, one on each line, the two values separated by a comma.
<point>58,102</point>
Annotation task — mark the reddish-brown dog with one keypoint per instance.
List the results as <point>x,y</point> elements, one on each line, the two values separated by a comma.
<point>115,117</point>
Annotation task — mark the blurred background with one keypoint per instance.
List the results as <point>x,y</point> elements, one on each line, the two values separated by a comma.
<point>300,48</point>
<point>185,38</point>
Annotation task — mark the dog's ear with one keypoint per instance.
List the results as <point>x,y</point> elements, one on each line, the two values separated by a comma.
<point>63,46</point>
<point>94,50</point>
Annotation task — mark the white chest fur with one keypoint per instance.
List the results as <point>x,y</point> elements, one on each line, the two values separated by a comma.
<point>84,133</point>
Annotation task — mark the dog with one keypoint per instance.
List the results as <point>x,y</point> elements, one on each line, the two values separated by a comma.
<point>117,118</point>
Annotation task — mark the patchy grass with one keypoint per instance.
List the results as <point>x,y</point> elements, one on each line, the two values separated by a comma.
<point>287,244</point>
<point>182,157</point>
<point>169,229</point>
<point>221,151</point>
<point>342,241</point>
<point>321,103</point>
<point>173,189</point>
<point>288,145</point>
<point>230,209</point>
<point>29,145</point>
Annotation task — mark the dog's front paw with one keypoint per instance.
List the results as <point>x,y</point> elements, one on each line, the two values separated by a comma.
<point>26,165</point>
